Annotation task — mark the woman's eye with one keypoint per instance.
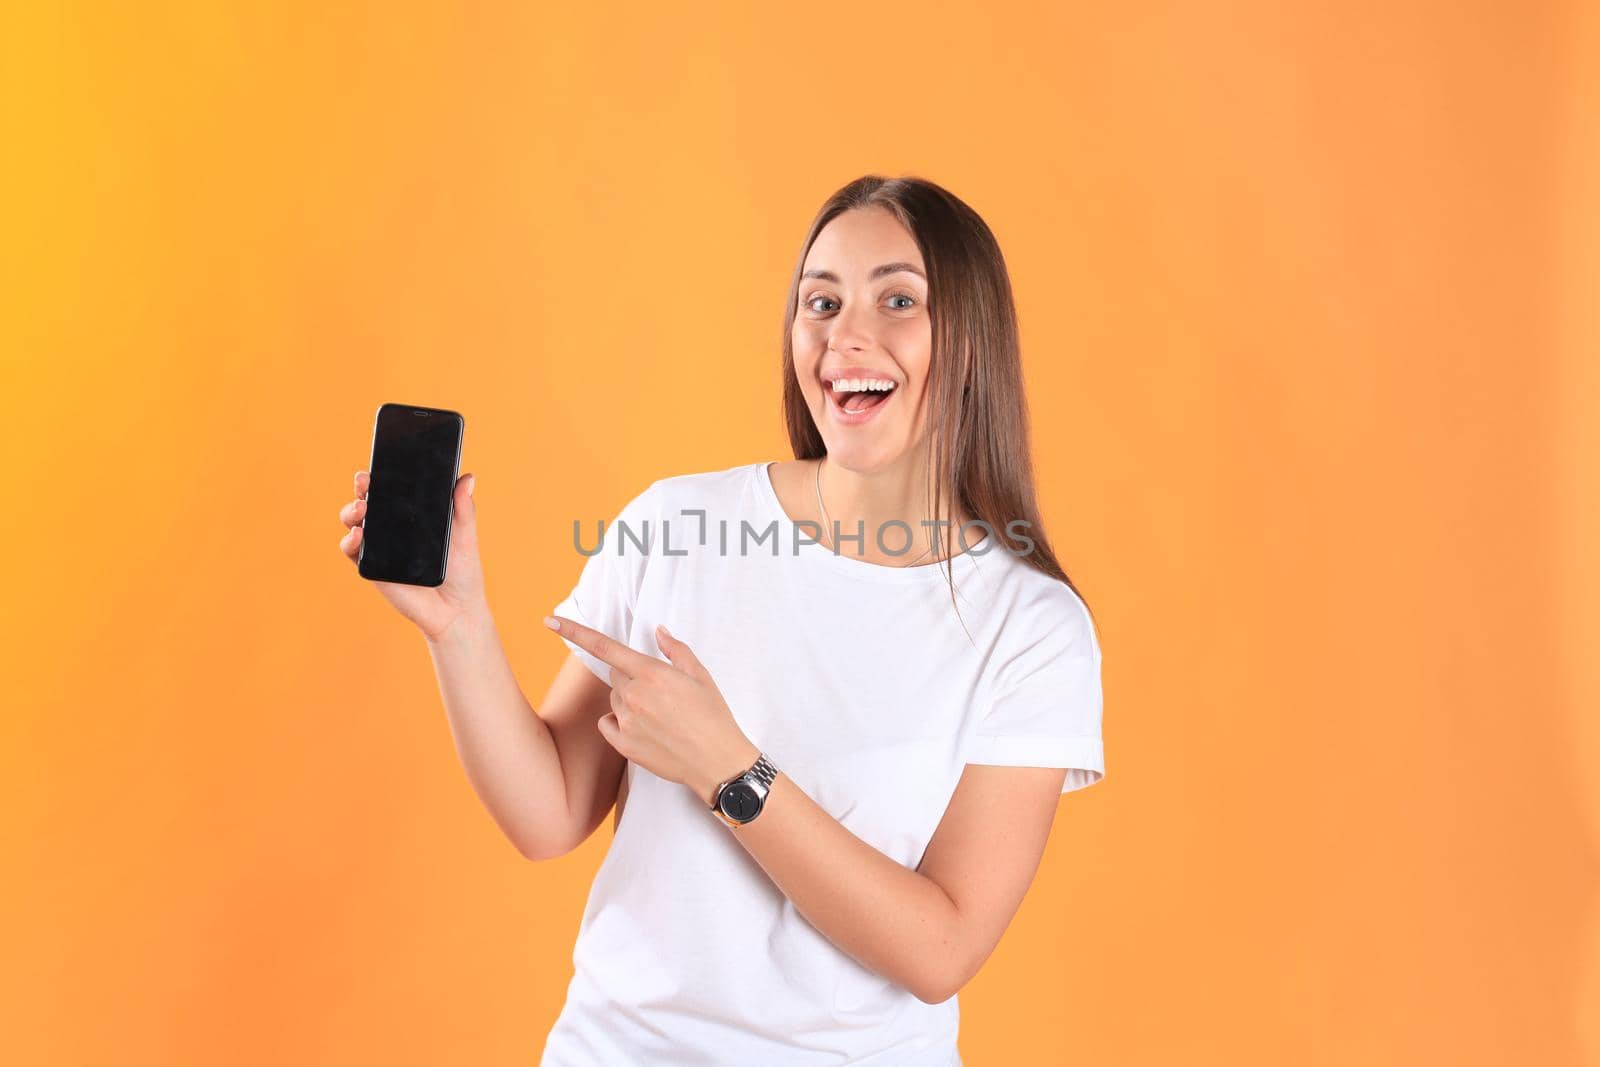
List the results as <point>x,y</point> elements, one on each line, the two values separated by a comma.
<point>812,303</point>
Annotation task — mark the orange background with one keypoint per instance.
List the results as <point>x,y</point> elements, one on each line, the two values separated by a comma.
<point>1308,307</point>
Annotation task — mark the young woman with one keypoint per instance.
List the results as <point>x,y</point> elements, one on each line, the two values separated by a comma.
<point>841,727</point>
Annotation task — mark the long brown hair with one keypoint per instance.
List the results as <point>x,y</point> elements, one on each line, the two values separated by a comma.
<point>978,443</point>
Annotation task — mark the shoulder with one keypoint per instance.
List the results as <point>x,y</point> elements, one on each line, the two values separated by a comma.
<point>1044,620</point>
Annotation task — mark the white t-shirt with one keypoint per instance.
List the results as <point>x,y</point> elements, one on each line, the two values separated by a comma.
<point>859,683</point>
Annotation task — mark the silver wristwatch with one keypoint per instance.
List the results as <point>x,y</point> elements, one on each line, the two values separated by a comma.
<point>741,798</point>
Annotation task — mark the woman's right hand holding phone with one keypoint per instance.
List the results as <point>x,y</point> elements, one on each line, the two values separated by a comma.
<point>433,609</point>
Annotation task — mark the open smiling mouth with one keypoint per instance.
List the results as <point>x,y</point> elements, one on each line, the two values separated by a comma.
<point>856,396</point>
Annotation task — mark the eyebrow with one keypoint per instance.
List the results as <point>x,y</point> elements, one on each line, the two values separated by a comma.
<point>877,272</point>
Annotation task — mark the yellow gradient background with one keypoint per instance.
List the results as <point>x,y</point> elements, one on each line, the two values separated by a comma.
<point>1308,307</point>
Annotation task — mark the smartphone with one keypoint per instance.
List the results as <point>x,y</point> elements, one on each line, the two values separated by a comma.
<point>416,459</point>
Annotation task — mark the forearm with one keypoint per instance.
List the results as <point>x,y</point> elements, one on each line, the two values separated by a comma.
<point>889,918</point>
<point>507,751</point>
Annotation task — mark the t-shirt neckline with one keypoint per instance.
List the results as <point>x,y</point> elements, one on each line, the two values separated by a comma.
<point>844,562</point>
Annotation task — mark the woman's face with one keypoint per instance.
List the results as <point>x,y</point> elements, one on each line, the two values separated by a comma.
<point>862,320</point>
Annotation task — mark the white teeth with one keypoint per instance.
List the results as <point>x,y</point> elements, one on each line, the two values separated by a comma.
<point>861,385</point>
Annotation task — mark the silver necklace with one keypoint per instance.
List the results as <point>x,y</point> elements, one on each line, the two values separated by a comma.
<point>827,524</point>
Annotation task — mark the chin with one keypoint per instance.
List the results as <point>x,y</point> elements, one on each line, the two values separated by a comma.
<point>865,448</point>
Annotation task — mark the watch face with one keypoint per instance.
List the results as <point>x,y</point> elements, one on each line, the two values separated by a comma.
<point>739,802</point>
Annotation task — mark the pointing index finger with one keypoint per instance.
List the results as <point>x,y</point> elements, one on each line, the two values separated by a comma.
<point>606,649</point>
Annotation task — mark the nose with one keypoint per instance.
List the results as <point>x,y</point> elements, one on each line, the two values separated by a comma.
<point>851,331</point>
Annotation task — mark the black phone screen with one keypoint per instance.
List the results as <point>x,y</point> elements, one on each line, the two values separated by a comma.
<point>416,453</point>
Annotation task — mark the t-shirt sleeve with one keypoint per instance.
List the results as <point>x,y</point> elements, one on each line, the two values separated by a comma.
<point>1044,706</point>
<point>607,592</point>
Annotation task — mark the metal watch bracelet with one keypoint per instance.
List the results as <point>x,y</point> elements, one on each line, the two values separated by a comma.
<point>761,770</point>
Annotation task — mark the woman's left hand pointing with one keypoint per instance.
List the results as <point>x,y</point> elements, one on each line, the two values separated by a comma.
<point>668,717</point>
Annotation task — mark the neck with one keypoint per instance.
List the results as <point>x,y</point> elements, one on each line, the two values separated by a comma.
<point>874,498</point>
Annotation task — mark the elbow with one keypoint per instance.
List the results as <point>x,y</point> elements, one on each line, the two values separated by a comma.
<point>531,851</point>
<point>542,849</point>
<point>949,961</point>
<point>942,978</point>
<point>936,987</point>
<point>934,992</point>
<point>544,839</point>
<point>538,847</point>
